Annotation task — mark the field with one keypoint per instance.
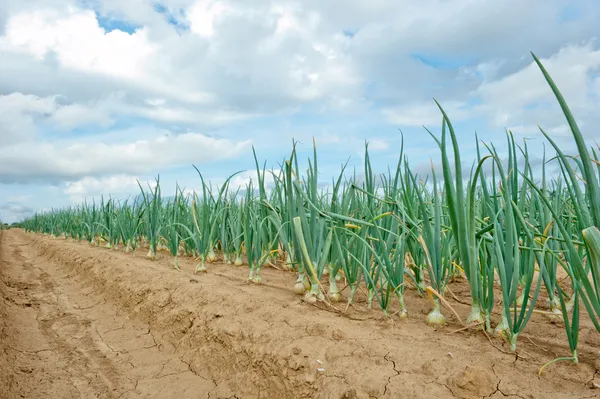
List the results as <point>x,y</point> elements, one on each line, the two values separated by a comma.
<point>91,322</point>
<point>448,284</point>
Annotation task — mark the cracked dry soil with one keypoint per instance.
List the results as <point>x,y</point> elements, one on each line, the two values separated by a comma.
<point>82,322</point>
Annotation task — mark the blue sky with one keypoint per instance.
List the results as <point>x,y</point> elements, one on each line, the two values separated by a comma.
<point>97,94</point>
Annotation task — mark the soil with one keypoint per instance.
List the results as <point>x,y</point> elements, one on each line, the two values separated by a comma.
<point>84,322</point>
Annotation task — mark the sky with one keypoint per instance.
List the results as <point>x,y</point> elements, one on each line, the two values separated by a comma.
<point>96,95</point>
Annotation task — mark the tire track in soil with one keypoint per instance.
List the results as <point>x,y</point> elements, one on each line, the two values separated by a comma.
<point>60,342</point>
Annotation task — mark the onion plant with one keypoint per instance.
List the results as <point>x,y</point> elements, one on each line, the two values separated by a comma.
<point>90,221</point>
<point>129,222</point>
<point>171,231</point>
<point>435,243</point>
<point>153,210</point>
<point>205,213</point>
<point>509,251</point>
<point>461,210</point>
<point>256,235</point>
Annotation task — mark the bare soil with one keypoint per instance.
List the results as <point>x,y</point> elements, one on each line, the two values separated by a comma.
<point>83,322</point>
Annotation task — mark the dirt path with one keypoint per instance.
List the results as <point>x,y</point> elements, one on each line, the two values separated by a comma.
<point>81,322</point>
<point>61,341</point>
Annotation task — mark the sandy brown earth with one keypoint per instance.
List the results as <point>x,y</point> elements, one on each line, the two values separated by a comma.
<point>82,322</point>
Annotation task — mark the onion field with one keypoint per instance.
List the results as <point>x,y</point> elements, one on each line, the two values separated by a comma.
<point>526,239</point>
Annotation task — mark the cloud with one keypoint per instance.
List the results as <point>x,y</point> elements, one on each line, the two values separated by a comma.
<point>96,187</point>
<point>95,92</point>
<point>525,98</point>
<point>16,208</point>
<point>378,145</point>
<point>107,74</point>
<point>238,183</point>
<point>35,161</point>
<point>19,114</point>
<point>22,114</point>
<point>249,63</point>
<point>425,113</point>
<point>74,37</point>
<point>237,61</point>
<point>78,115</point>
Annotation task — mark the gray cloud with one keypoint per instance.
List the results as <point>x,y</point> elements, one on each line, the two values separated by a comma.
<point>15,208</point>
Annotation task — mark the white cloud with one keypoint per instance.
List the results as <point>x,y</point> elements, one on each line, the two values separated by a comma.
<point>378,145</point>
<point>34,161</point>
<point>78,42</point>
<point>254,65</point>
<point>238,182</point>
<point>162,112</point>
<point>243,60</point>
<point>203,14</point>
<point>425,113</point>
<point>242,180</point>
<point>329,138</point>
<point>94,187</point>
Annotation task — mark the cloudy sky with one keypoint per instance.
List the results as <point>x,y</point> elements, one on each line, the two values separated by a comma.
<point>96,94</point>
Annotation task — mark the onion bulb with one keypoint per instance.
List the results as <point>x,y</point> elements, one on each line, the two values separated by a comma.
<point>554,306</point>
<point>299,288</point>
<point>520,299</point>
<point>502,326</point>
<point>403,313</point>
<point>254,275</point>
<point>435,317</point>
<point>334,296</point>
<point>475,315</point>
<point>211,257</point>
<point>302,284</point>
<point>238,261</point>
<point>201,267</point>
<point>150,255</point>
<point>314,294</point>
<point>306,283</point>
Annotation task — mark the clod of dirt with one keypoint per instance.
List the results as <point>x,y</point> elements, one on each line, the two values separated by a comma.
<point>338,335</point>
<point>350,394</point>
<point>473,380</point>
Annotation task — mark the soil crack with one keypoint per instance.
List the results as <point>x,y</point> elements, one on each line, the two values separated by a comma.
<point>386,357</point>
